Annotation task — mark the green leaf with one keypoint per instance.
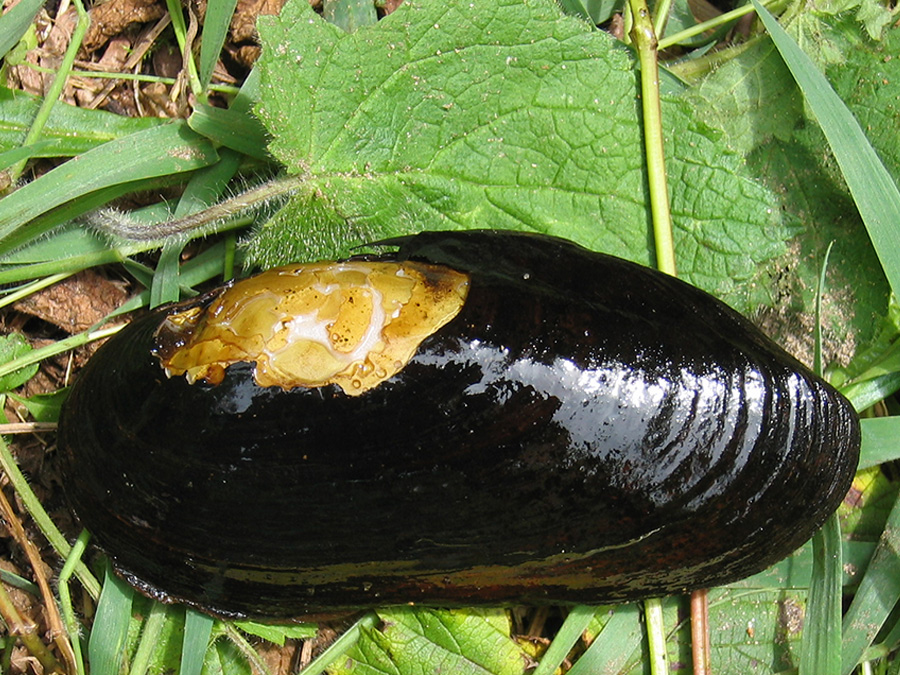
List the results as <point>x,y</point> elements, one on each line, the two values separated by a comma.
<point>874,191</point>
<point>412,641</point>
<point>277,634</point>
<point>617,636</point>
<point>43,407</point>
<point>349,14</point>
<point>14,346</point>
<point>490,114</point>
<point>751,97</point>
<point>880,441</point>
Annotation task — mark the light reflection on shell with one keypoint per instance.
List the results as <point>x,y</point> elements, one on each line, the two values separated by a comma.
<point>580,430</point>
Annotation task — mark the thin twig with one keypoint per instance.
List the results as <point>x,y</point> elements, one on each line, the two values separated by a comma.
<point>39,516</point>
<point>144,43</point>
<point>54,621</point>
<point>26,427</point>
<point>700,645</point>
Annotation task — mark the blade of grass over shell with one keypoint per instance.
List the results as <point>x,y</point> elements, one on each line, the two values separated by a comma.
<point>876,597</point>
<point>160,151</point>
<point>106,647</point>
<point>820,649</point>
<point>569,633</point>
<point>59,347</point>
<point>874,191</point>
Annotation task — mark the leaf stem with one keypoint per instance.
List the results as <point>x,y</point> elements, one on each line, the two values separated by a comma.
<point>663,8</point>
<point>644,38</point>
<point>65,598</point>
<point>656,636</point>
<point>712,24</point>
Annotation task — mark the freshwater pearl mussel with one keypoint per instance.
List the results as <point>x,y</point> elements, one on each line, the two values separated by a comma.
<point>472,418</point>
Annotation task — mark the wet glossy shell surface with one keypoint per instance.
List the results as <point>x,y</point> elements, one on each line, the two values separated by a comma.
<point>582,430</point>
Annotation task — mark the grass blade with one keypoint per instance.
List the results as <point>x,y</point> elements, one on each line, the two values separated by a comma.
<point>159,151</point>
<point>15,22</point>
<point>877,596</point>
<point>611,649</point>
<point>215,29</point>
<point>820,651</point>
<point>197,630</point>
<point>110,630</point>
<point>874,191</point>
<point>569,633</point>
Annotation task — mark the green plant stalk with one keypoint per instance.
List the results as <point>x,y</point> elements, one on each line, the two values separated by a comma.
<point>38,355</point>
<point>43,521</point>
<point>175,12</point>
<point>53,94</point>
<point>65,597</point>
<point>712,24</point>
<point>130,77</point>
<point>644,39</point>
<point>33,287</point>
<point>26,631</point>
<point>237,638</point>
<point>150,633</point>
<point>218,217</point>
<point>656,636</point>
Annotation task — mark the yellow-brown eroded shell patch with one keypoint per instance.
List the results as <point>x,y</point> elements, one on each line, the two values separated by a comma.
<point>353,324</point>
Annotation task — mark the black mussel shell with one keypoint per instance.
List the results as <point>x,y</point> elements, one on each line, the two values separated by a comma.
<point>583,430</point>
